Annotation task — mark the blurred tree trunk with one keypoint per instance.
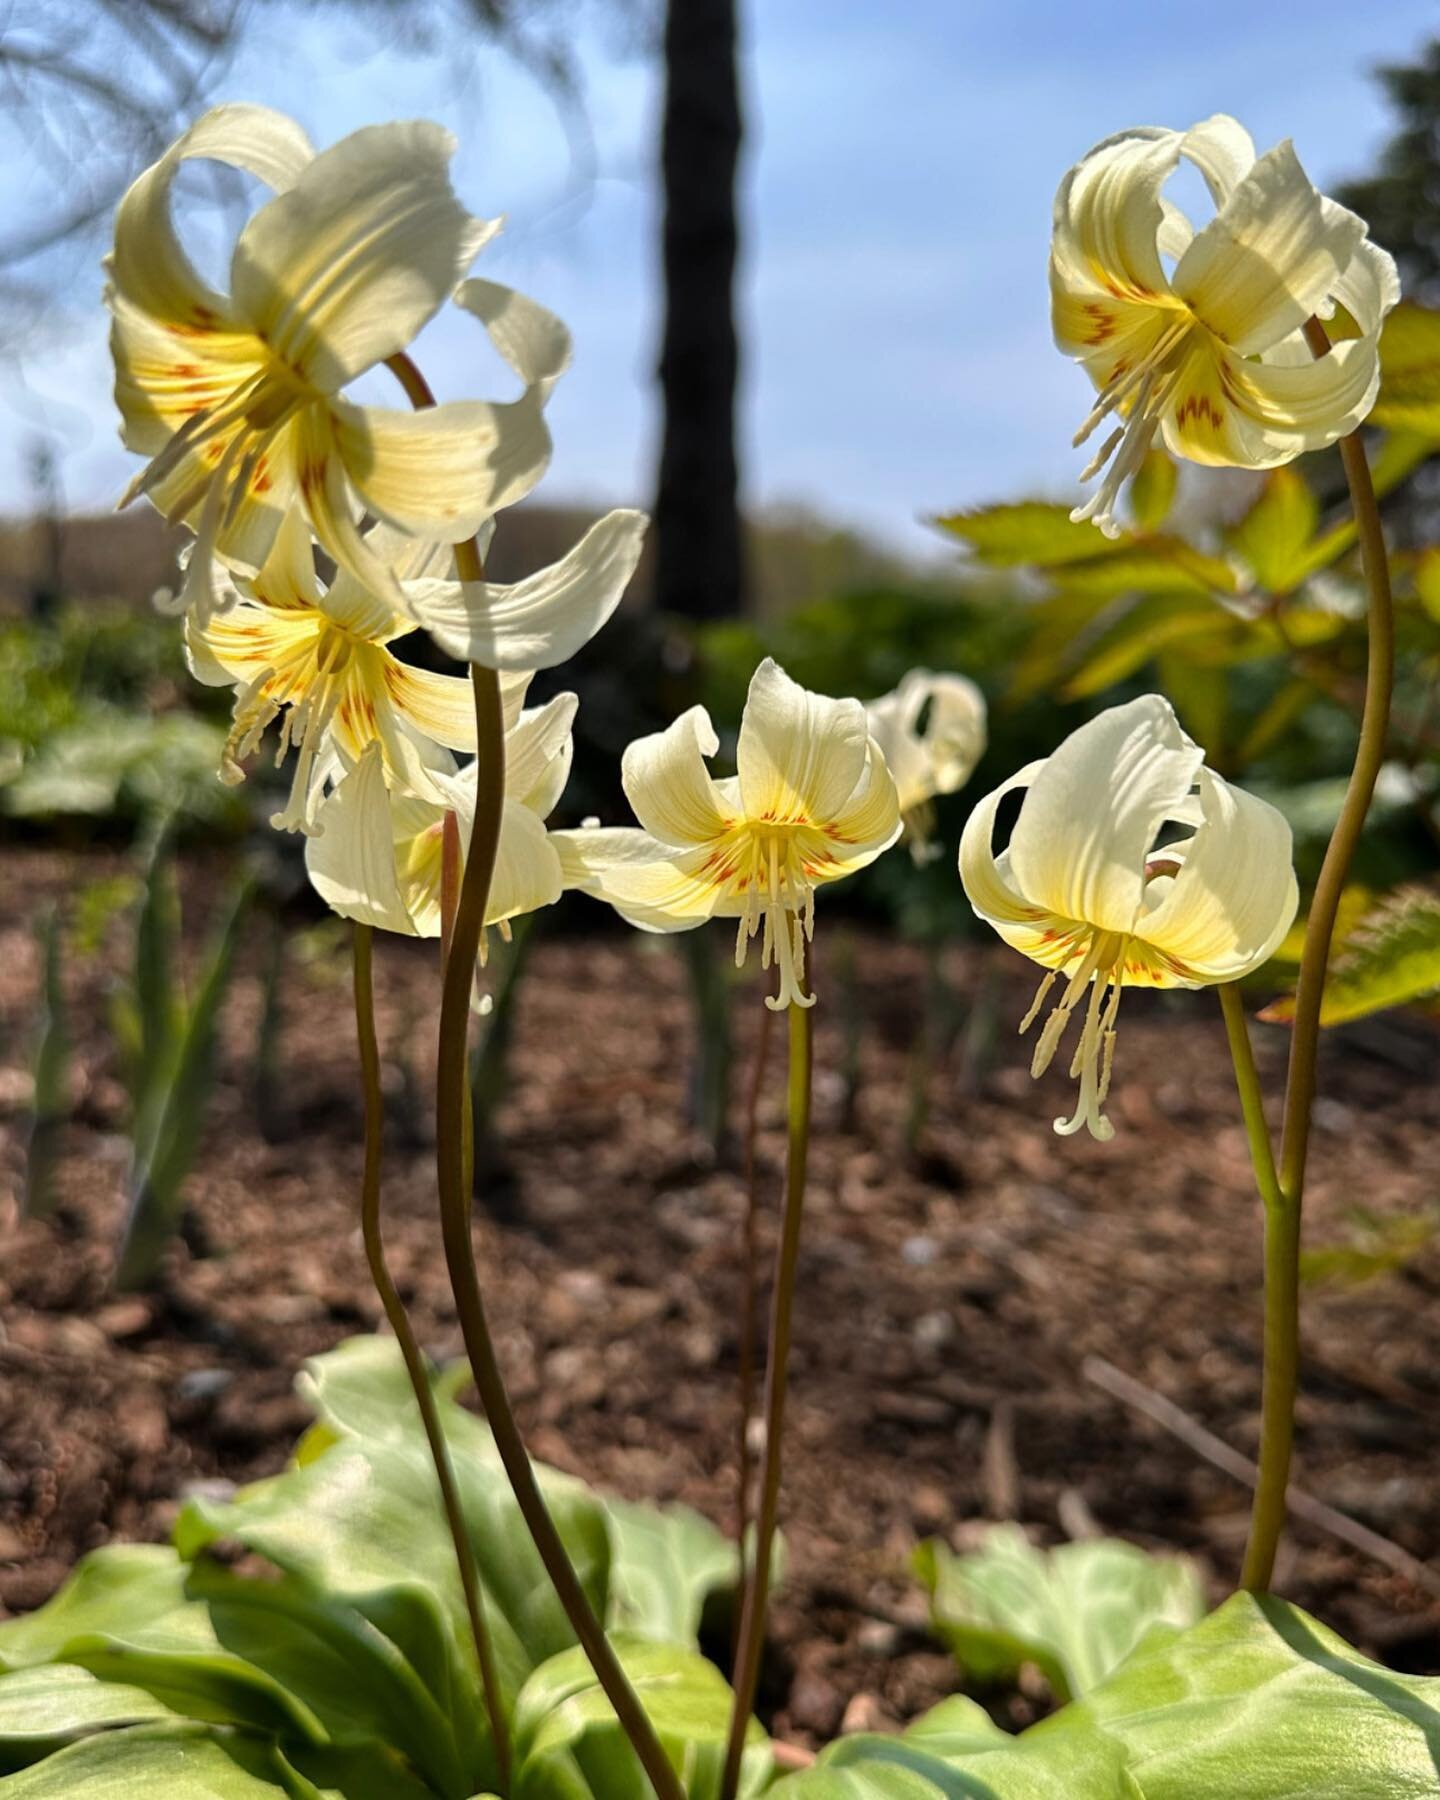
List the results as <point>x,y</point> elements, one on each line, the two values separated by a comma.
<point>699,566</point>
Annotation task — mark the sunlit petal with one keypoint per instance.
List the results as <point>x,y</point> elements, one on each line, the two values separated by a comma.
<point>345,267</point>
<point>1092,811</point>
<point>800,754</point>
<point>668,785</point>
<point>352,863</point>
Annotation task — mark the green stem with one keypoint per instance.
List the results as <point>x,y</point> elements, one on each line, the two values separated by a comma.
<point>757,1592</point>
<point>1282,1308</point>
<point>411,1353</point>
<point>1283,1215</point>
<point>749,1285</point>
<point>452,1146</point>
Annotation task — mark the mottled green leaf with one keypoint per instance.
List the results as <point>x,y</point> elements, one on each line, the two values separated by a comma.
<point>1076,1612</point>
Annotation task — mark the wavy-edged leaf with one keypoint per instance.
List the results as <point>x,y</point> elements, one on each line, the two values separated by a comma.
<point>569,1745</point>
<point>1037,533</point>
<point>45,1708</point>
<point>1385,955</point>
<point>667,1563</point>
<point>1076,1612</point>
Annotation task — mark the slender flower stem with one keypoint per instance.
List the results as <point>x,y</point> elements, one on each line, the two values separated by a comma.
<point>757,1592</point>
<point>1282,1215</point>
<point>1282,1306</point>
<point>451,1105</point>
<point>410,1350</point>
<point>749,1286</point>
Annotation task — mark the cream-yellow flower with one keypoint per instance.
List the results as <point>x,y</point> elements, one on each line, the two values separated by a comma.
<point>319,655</point>
<point>379,857</point>
<point>812,801</point>
<point>1197,334</point>
<point>931,730</point>
<point>1083,890</point>
<point>236,398</point>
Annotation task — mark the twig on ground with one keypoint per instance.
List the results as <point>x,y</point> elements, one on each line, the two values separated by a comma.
<point>1190,1432</point>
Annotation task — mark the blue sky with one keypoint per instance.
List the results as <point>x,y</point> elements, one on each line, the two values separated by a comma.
<point>900,168</point>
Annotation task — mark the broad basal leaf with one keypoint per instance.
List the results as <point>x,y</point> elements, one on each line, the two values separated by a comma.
<point>1076,1612</point>
<point>164,1763</point>
<point>569,1745</point>
<point>44,1709</point>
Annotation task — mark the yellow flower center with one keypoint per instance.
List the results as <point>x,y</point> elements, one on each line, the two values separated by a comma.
<point>771,866</point>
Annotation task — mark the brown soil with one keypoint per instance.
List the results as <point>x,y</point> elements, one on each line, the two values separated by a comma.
<point>948,1299</point>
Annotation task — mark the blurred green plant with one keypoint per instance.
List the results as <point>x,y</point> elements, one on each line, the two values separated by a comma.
<point>50,1106</point>
<point>91,724</point>
<point>1075,1612</point>
<point>167,1046</point>
<point>1380,1244</point>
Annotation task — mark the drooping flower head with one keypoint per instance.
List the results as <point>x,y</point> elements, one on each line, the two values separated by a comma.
<point>931,730</point>
<point>379,857</point>
<point>813,800</point>
<point>1086,888</point>
<point>1198,334</point>
<point>236,397</point>
<point>320,654</point>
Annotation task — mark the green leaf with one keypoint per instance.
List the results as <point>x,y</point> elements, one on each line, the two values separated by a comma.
<point>1274,537</point>
<point>1387,956</point>
<point>52,1078</point>
<point>150,1762</point>
<point>1260,1699</point>
<point>1153,566</point>
<point>1256,1700</point>
<point>569,1745</point>
<point>1427,580</point>
<point>1028,532</point>
<point>43,1709</point>
<point>1152,492</point>
<point>158,998</point>
<point>164,1154</point>
<point>1409,398</point>
<point>1381,1246</point>
<point>1076,1612</point>
<point>363,1524</point>
<point>1149,627</point>
<point>667,1562</point>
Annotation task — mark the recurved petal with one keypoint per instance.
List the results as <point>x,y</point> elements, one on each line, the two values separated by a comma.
<point>287,579</point>
<point>345,267</point>
<point>1235,896</point>
<point>148,266</point>
<point>1093,810</point>
<point>1370,286</point>
<point>987,887</point>
<point>800,755</point>
<point>165,374</point>
<point>1269,258</point>
<point>538,754</point>
<point>442,472</point>
<point>870,821</point>
<point>440,706</point>
<point>1223,151</point>
<point>670,788</point>
<point>532,340</point>
<point>650,884</point>
<point>1292,407</point>
<point>351,863</point>
<point>528,874</point>
<point>543,620</point>
<point>1108,213</point>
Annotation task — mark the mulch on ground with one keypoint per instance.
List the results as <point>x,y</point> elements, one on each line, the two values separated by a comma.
<point>951,1289</point>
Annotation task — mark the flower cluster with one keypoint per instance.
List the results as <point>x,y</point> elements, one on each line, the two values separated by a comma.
<point>238,401</point>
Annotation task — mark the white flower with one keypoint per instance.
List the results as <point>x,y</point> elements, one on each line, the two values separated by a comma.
<point>931,730</point>
<point>1209,351</point>
<point>812,801</point>
<point>236,398</point>
<point>379,857</point>
<point>320,655</point>
<point>1084,891</point>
